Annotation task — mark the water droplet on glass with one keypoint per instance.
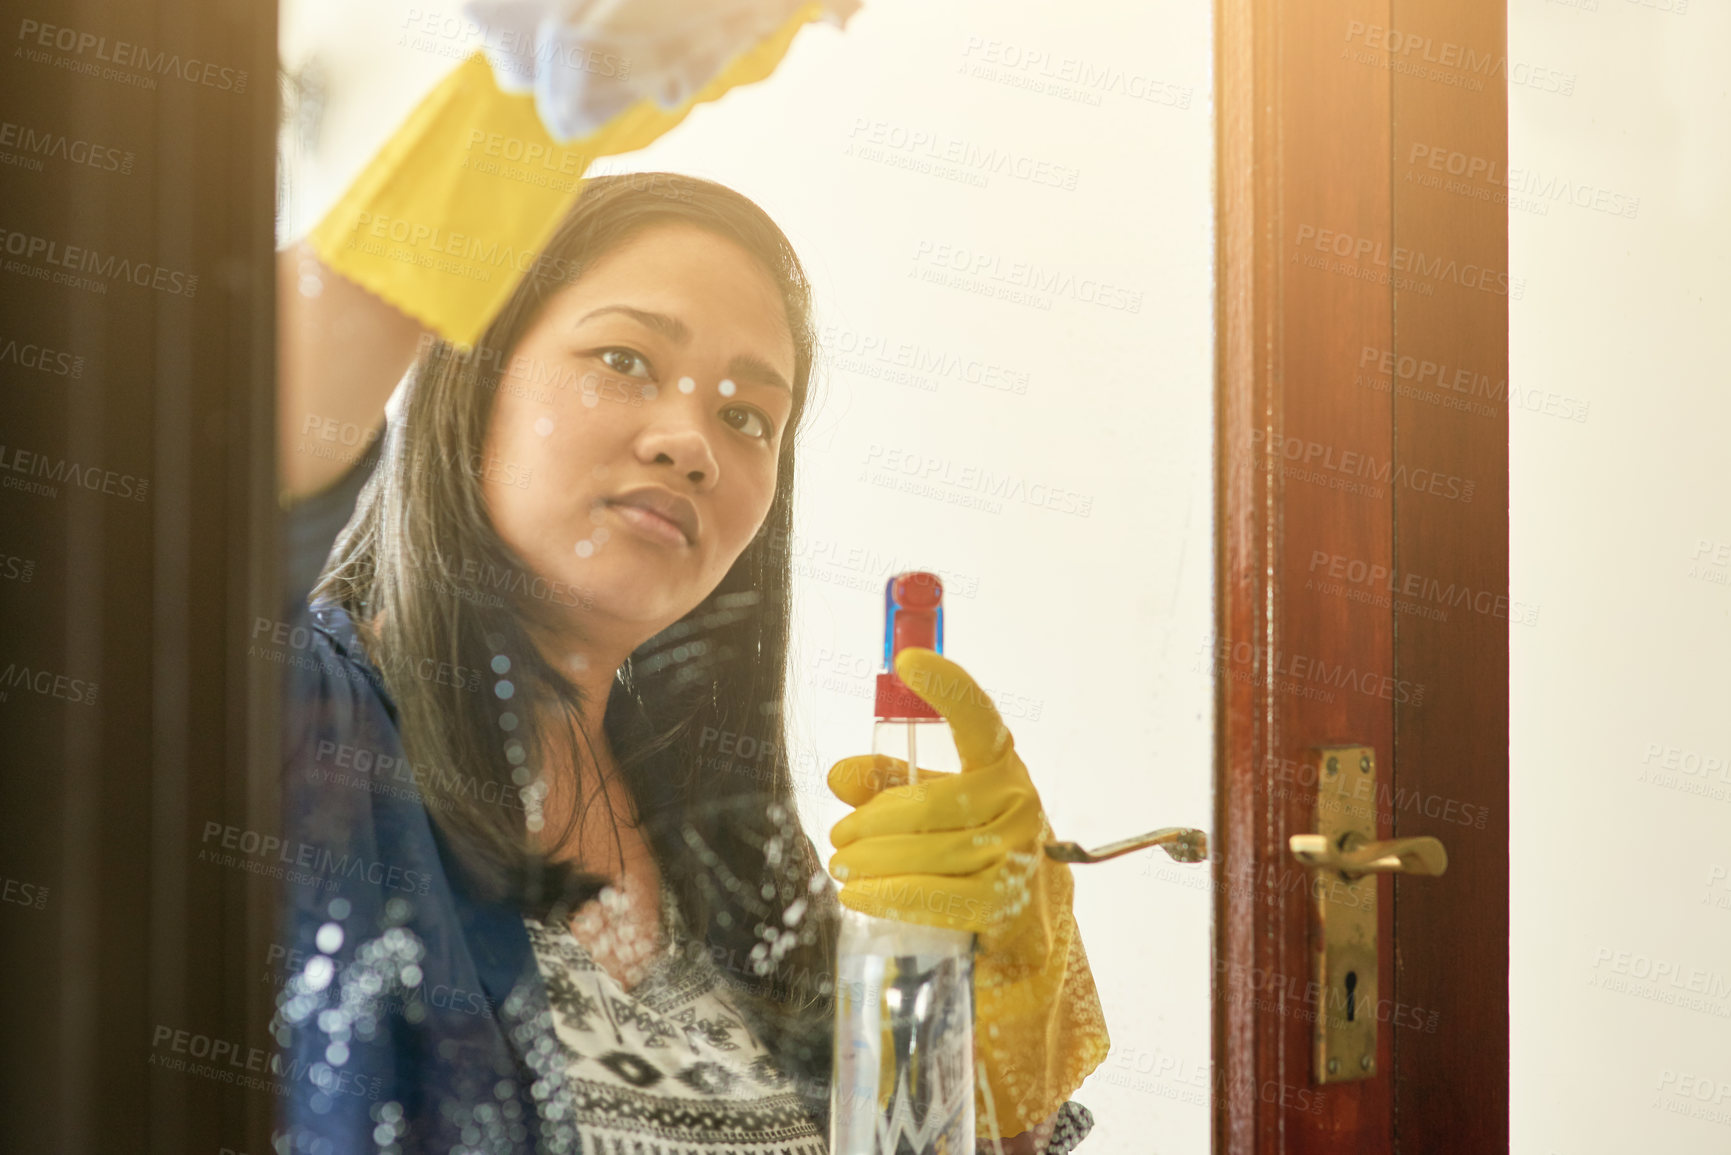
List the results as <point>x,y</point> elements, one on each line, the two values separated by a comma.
<point>329,938</point>
<point>318,972</point>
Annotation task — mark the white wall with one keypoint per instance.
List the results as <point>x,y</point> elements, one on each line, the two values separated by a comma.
<point>1085,628</point>
<point>1620,529</point>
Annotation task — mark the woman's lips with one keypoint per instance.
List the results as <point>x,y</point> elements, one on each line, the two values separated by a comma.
<point>649,525</point>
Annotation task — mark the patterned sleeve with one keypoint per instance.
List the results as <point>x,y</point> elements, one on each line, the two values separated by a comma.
<point>1074,1123</point>
<point>1070,1125</point>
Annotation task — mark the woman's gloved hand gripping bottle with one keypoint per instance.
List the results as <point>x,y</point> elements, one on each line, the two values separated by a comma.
<point>957,851</point>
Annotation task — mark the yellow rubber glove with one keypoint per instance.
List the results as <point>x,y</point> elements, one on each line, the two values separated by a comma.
<point>966,851</point>
<point>454,209</point>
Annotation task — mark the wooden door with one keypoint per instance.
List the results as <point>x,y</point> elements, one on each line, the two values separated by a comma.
<point>1363,557</point>
<point>139,514</point>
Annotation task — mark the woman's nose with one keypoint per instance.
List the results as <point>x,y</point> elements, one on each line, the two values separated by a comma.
<point>674,437</point>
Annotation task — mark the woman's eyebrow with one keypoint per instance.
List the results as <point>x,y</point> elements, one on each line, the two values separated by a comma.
<point>747,367</point>
<point>670,327</point>
<point>754,370</point>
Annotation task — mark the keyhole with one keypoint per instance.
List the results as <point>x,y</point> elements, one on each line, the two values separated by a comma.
<point>1351,996</point>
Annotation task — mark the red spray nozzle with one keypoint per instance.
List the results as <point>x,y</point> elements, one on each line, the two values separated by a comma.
<point>913,616</point>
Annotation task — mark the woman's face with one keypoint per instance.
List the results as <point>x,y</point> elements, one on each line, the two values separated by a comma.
<point>631,454</point>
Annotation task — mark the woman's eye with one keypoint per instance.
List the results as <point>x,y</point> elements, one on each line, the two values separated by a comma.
<point>748,421</point>
<point>619,360</point>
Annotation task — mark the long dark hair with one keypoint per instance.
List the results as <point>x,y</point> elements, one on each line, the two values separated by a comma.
<point>694,717</point>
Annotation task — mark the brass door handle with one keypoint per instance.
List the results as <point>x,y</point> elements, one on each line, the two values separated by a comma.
<point>1344,853</point>
<point>1183,843</point>
<point>1353,855</point>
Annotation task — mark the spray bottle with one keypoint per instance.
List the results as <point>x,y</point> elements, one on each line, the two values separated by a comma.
<point>903,1079</point>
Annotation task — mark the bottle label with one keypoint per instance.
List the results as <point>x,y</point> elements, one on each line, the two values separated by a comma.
<point>904,1055</point>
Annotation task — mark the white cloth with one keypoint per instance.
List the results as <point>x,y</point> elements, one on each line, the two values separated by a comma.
<point>588,60</point>
<point>669,1067</point>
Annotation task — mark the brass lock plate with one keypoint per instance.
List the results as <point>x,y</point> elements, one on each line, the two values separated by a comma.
<point>1343,936</point>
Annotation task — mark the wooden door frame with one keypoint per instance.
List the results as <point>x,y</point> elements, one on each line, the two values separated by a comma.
<point>1331,120</point>
<point>150,558</point>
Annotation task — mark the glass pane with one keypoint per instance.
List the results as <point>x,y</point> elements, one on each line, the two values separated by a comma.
<point>1001,373</point>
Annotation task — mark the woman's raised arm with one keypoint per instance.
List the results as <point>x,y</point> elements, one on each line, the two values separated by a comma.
<point>340,352</point>
<point>431,235</point>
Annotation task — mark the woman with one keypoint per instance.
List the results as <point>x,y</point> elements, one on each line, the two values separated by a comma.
<point>534,905</point>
